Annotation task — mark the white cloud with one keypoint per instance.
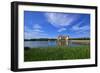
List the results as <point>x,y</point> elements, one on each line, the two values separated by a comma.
<point>78,26</point>
<point>60,20</point>
<point>30,35</point>
<point>83,29</point>
<point>86,27</point>
<point>36,26</point>
<point>62,29</point>
<point>35,32</point>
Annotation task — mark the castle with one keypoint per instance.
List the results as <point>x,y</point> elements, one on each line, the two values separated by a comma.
<point>62,40</point>
<point>61,37</point>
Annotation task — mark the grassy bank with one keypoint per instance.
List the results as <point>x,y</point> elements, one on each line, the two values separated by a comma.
<point>57,53</point>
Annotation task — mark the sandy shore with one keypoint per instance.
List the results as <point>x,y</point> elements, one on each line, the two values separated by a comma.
<point>81,41</point>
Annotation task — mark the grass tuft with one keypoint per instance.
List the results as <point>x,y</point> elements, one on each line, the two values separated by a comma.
<point>57,53</point>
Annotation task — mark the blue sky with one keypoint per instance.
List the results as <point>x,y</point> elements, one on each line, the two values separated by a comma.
<point>52,24</point>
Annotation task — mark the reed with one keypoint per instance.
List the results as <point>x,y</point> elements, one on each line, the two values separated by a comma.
<point>57,53</point>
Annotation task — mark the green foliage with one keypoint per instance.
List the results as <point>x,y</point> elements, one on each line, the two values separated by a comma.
<point>40,39</point>
<point>53,39</point>
<point>57,53</point>
<point>79,38</point>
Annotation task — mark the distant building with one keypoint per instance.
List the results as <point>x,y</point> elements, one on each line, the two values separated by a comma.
<point>61,37</point>
<point>62,40</point>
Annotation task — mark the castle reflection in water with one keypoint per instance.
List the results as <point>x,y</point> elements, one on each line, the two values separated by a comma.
<point>62,40</point>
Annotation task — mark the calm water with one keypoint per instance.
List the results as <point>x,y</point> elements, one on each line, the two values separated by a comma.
<point>35,44</point>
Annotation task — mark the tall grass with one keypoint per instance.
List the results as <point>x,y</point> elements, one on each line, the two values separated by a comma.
<point>57,53</point>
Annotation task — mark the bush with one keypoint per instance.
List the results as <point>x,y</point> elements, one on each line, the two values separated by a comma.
<point>26,48</point>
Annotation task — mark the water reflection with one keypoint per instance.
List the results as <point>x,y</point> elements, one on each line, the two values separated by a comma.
<point>62,43</point>
<point>35,44</point>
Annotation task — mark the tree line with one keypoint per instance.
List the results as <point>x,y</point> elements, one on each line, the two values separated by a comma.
<point>53,39</point>
<point>40,39</point>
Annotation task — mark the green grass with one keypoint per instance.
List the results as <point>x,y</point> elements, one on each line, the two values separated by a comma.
<point>57,53</point>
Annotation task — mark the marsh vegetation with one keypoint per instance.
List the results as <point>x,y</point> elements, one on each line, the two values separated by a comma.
<point>51,50</point>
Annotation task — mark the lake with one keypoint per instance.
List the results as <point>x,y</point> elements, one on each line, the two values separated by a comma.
<point>36,44</point>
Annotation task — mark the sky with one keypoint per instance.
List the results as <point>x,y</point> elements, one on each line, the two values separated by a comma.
<point>52,24</point>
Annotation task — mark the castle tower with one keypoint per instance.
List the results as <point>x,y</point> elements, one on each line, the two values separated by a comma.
<point>62,40</point>
<point>61,37</point>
